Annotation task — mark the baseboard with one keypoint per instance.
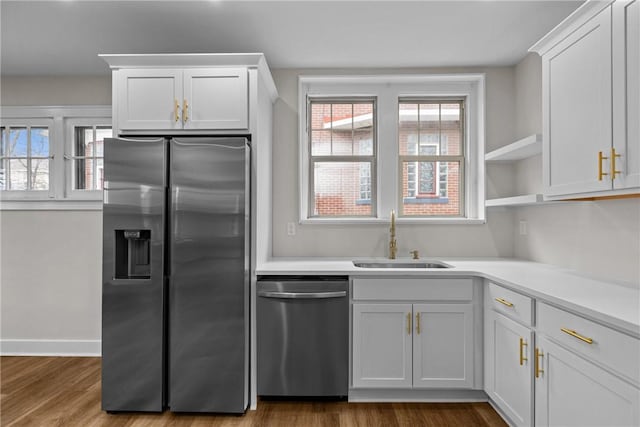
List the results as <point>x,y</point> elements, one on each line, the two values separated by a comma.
<point>87,348</point>
<point>416,395</point>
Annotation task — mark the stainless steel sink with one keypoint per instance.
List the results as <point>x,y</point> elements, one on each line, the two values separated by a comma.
<point>400,264</point>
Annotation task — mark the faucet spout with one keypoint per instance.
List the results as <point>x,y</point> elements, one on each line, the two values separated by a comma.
<point>393,244</point>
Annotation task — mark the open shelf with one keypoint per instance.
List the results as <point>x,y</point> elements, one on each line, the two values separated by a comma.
<point>521,149</point>
<point>524,200</point>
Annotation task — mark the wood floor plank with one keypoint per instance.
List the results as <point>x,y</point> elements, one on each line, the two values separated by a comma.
<point>65,391</point>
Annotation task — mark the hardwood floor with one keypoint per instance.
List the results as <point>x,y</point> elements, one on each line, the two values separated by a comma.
<point>65,391</point>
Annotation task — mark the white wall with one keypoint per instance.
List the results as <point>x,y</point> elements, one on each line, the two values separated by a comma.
<point>600,238</point>
<point>51,261</point>
<point>492,239</point>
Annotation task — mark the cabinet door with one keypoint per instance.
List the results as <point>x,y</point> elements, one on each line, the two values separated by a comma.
<point>574,392</point>
<point>216,98</point>
<point>443,346</point>
<point>509,374</point>
<point>382,345</point>
<point>149,99</point>
<point>577,116</point>
<point>626,92</point>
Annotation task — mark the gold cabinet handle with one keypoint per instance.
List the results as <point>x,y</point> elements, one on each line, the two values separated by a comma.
<point>577,335</point>
<point>175,109</point>
<point>418,323</point>
<point>523,344</point>
<point>614,172</point>
<point>408,323</point>
<point>505,302</point>
<point>601,157</point>
<point>185,111</point>
<point>538,370</point>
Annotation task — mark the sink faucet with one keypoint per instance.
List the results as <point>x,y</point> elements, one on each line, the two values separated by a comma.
<point>393,244</point>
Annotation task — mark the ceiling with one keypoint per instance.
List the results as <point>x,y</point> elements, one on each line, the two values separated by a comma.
<point>64,37</point>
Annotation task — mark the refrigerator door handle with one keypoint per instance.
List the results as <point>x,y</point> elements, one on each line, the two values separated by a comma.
<point>302,295</point>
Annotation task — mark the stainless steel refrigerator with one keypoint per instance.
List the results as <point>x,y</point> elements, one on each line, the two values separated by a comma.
<point>176,254</point>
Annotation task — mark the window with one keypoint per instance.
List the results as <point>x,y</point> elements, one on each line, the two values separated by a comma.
<point>430,144</point>
<point>417,148</point>
<point>24,157</point>
<point>342,160</point>
<point>52,154</point>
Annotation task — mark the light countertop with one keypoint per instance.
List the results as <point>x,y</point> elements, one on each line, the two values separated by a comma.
<point>613,303</point>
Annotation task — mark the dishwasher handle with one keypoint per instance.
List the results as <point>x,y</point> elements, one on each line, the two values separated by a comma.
<point>302,295</point>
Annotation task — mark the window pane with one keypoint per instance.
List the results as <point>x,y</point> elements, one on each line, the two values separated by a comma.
<point>451,139</point>
<point>39,174</point>
<point>338,187</point>
<point>431,188</point>
<point>82,174</point>
<point>16,143</point>
<point>320,116</point>
<point>408,128</point>
<point>40,142</point>
<point>18,174</point>
<point>102,132</point>
<point>320,143</point>
<point>3,174</point>
<point>99,173</point>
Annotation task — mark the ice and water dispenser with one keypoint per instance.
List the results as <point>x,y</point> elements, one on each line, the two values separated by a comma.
<point>133,259</point>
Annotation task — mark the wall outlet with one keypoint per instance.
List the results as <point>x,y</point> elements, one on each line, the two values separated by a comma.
<point>523,228</point>
<point>291,229</point>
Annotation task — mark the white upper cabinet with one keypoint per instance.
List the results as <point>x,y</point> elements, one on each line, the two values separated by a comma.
<point>626,92</point>
<point>215,98</point>
<point>150,99</point>
<point>590,102</point>
<point>191,94</point>
<point>196,98</point>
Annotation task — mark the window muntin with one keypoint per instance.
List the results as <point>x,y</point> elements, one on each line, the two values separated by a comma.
<point>342,160</point>
<point>24,158</point>
<point>431,147</point>
<point>88,156</point>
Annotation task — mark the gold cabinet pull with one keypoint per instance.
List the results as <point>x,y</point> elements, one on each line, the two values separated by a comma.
<point>408,323</point>
<point>614,172</point>
<point>538,370</point>
<point>523,344</point>
<point>577,335</point>
<point>175,109</point>
<point>601,157</point>
<point>505,302</point>
<point>185,111</point>
<point>418,323</point>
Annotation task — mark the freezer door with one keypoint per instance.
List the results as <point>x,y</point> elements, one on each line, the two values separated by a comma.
<point>209,275</point>
<point>133,274</point>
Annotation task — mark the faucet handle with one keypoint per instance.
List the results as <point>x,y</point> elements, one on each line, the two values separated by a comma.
<point>415,253</point>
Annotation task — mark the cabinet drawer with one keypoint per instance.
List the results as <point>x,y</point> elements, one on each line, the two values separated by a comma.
<point>390,288</point>
<point>512,304</point>
<point>607,347</point>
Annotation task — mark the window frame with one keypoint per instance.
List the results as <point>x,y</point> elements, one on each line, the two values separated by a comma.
<point>58,197</point>
<point>437,158</point>
<point>371,159</point>
<point>29,123</point>
<point>389,89</point>
<point>70,124</point>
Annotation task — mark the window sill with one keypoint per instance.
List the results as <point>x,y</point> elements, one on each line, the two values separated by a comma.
<point>50,205</point>
<point>363,221</point>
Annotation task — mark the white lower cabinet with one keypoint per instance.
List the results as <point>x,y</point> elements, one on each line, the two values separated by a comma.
<point>509,382</point>
<point>571,391</point>
<point>412,345</point>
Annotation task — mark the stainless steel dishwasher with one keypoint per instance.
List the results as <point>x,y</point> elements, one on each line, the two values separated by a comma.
<point>303,336</point>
